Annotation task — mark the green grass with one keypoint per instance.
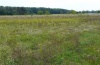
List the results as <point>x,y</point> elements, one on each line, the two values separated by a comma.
<point>50,40</point>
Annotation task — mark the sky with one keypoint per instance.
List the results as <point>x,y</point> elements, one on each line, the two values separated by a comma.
<point>77,5</point>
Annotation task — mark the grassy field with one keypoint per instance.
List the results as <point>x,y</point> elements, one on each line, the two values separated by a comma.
<point>50,40</point>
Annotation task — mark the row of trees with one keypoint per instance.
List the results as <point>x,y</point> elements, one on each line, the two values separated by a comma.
<point>98,11</point>
<point>30,10</point>
<point>33,10</point>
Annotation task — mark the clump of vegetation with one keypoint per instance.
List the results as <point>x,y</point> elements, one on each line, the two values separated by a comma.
<point>50,40</point>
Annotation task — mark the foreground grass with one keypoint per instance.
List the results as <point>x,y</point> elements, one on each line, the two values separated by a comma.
<point>50,40</point>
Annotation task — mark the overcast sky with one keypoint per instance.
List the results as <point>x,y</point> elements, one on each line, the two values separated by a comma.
<point>65,4</point>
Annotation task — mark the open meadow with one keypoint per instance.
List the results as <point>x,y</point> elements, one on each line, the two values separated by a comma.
<point>50,40</point>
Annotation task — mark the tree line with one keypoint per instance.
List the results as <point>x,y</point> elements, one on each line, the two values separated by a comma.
<point>30,10</point>
<point>7,10</point>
